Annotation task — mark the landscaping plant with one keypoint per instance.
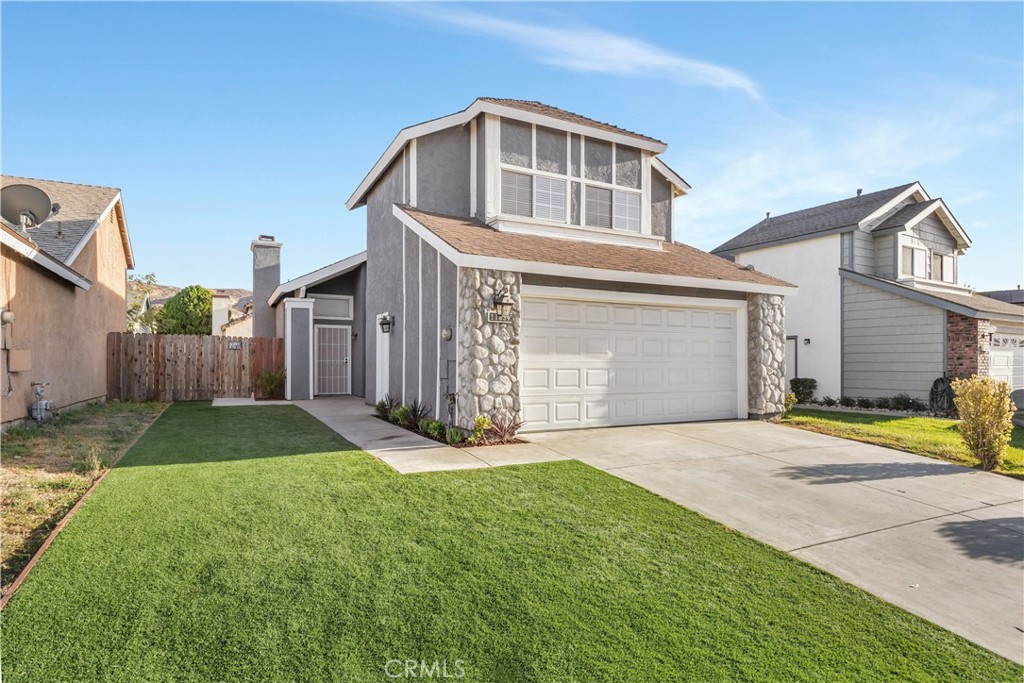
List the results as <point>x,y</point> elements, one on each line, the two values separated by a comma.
<point>435,429</point>
<point>790,401</point>
<point>864,402</point>
<point>423,425</point>
<point>902,402</point>
<point>454,435</point>
<point>271,384</point>
<point>883,403</point>
<point>985,417</point>
<point>190,311</point>
<point>804,388</point>
<point>390,404</point>
<point>504,428</point>
<point>401,415</point>
<point>418,411</point>
<point>381,408</point>
<point>847,401</point>
<point>828,401</point>
<point>481,425</point>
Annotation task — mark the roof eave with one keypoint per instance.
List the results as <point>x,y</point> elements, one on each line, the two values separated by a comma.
<point>317,276</point>
<point>18,243</point>
<point>723,249</point>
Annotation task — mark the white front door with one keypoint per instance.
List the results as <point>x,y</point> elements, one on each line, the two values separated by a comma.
<point>332,362</point>
<point>630,360</point>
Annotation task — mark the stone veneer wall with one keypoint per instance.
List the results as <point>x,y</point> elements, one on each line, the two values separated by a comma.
<point>488,353</point>
<point>766,355</point>
<point>967,346</point>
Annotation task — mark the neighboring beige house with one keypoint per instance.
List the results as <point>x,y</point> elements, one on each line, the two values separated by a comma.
<point>232,313</point>
<point>64,281</point>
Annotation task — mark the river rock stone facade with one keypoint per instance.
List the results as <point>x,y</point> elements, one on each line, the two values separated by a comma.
<point>766,356</point>
<point>488,353</point>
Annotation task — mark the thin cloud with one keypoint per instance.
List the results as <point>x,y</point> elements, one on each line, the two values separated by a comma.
<point>591,50</point>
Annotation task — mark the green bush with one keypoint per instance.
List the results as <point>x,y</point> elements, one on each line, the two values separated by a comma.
<point>902,401</point>
<point>271,384</point>
<point>847,401</point>
<point>828,401</point>
<point>790,402</point>
<point>884,403</point>
<point>454,435</point>
<point>401,415</point>
<point>423,425</point>
<point>381,408</point>
<point>435,430</point>
<point>190,311</point>
<point>804,388</point>
<point>481,425</point>
<point>865,403</point>
<point>986,413</point>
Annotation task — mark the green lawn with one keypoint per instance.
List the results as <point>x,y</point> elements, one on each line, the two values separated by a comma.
<point>210,555</point>
<point>929,436</point>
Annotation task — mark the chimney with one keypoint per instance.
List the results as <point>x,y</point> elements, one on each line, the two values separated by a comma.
<point>221,312</point>
<point>859,191</point>
<point>266,276</point>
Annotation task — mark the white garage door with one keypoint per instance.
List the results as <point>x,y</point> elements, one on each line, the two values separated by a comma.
<point>588,362</point>
<point>1006,359</point>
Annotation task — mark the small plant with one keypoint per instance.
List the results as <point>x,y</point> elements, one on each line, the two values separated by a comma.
<point>435,429</point>
<point>828,401</point>
<point>883,403</point>
<point>381,408</point>
<point>918,406</point>
<point>864,402</point>
<point>454,435</point>
<point>401,415</point>
<point>986,413</point>
<point>271,383</point>
<point>790,402</point>
<point>390,403</point>
<point>417,412</point>
<point>504,428</point>
<point>481,425</point>
<point>847,401</point>
<point>423,425</point>
<point>902,401</point>
<point>804,388</point>
<point>92,464</point>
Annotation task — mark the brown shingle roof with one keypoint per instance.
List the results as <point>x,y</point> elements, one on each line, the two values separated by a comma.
<point>470,236</point>
<point>80,207</point>
<point>563,115</point>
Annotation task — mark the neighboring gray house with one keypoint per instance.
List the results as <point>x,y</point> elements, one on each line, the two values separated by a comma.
<point>880,311</point>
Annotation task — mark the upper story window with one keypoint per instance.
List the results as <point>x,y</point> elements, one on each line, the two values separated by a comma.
<point>914,262</point>
<point>942,268</point>
<point>556,176</point>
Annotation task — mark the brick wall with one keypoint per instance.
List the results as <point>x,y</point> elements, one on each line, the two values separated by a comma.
<point>967,346</point>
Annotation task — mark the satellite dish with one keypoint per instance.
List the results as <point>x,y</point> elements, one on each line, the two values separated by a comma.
<point>25,206</point>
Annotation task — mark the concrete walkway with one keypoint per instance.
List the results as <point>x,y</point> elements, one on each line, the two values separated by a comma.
<point>942,541</point>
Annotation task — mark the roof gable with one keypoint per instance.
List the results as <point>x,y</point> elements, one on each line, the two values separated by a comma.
<point>845,213</point>
<point>912,214</point>
<point>83,208</point>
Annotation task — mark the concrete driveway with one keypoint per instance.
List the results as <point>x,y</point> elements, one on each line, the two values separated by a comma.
<point>942,541</point>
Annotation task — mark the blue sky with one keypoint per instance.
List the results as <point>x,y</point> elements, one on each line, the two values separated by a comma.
<point>222,121</point>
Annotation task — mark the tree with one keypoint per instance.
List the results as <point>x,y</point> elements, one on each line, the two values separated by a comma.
<point>141,317</point>
<point>190,311</point>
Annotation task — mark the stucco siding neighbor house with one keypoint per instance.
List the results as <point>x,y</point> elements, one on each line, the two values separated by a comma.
<point>65,283</point>
<point>521,260</point>
<point>880,310</point>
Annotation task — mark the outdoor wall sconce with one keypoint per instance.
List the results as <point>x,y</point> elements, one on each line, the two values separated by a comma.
<point>807,342</point>
<point>446,334</point>
<point>386,321</point>
<point>501,307</point>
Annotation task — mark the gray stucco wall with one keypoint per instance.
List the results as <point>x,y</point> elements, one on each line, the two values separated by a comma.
<point>429,334</point>
<point>890,343</point>
<point>442,171</point>
<point>627,166</point>
<point>351,284</point>
<point>266,276</point>
<point>410,315</point>
<point>661,207</point>
<point>384,275</point>
<point>448,301</point>
<point>516,142</point>
<point>885,256</point>
<point>301,346</point>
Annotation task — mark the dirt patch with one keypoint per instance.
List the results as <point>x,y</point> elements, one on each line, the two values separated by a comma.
<point>45,469</point>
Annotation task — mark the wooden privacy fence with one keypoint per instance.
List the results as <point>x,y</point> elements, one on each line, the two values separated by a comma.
<point>181,367</point>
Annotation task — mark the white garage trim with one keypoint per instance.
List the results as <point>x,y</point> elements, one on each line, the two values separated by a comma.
<point>738,308</point>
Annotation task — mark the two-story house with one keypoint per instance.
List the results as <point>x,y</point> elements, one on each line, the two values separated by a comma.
<point>522,260</point>
<point>880,310</point>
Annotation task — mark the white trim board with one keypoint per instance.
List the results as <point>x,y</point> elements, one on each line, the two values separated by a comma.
<point>475,109</point>
<point>539,268</point>
<point>317,276</point>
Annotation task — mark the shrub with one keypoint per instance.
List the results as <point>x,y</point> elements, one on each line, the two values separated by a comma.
<point>865,403</point>
<point>454,435</point>
<point>902,402</point>
<point>390,403</point>
<point>271,383</point>
<point>828,401</point>
<point>423,425</point>
<point>481,425</point>
<point>504,429</point>
<point>847,401</point>
<point>401,415</point>
<point>190,311</point>
<point>381,408</point>
<point>417,412</point>
<point>804,388</point>
<point>790,402</point>
<point>883,403</point>
<point>435,429</point>
<point>986,413</point>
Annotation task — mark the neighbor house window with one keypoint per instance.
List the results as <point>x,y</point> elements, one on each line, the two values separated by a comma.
<point>947,269</point>
<point>915,262</point>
